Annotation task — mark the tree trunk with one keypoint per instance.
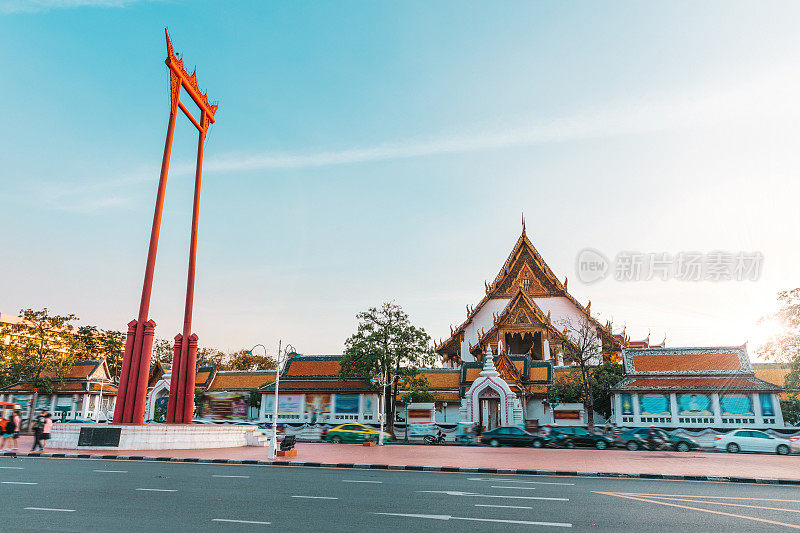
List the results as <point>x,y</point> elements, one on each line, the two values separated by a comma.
<point>32,408</point>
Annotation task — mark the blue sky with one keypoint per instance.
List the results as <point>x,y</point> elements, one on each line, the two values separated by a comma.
<point>367,151</point>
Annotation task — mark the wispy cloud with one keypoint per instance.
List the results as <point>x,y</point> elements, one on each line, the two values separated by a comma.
<point>764,97</point>
<point>36,6</point>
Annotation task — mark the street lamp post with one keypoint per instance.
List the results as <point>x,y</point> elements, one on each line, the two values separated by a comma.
<point>385,381</point>
<point>273,441</point>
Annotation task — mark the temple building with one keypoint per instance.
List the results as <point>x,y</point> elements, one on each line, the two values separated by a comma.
<point>507,346</point>
<point>694,388</point>
<point>85,392</point>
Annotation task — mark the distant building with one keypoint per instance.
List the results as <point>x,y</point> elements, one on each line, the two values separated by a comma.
<point>87,392</point>
<point>694,387</point>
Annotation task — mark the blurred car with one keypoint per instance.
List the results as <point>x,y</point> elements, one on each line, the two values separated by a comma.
<point>572,437</point>
<point>80,421</point>
<point>508,436</point>
<point>750,440</point>
<point>352,433</point>
<point>633,439</point>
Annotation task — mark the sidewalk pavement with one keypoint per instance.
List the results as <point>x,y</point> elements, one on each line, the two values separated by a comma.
<point>706,464</point>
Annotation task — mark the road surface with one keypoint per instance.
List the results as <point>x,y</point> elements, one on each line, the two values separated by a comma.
<point>98,495</point>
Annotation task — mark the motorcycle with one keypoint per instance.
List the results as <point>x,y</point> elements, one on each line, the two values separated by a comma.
<point>438,439</point>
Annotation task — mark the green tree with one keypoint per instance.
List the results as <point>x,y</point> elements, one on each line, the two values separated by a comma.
<point>94,343</point>
<point>784,346</point>
<point>40,350</point>
<point>210,357</point>
<point>417,386</point>
<point>385,347</point>
<point>163,351</point>
<point>246,360</point>
<point>582,348</point>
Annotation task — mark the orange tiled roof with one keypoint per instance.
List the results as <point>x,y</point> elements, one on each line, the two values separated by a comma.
<point>313,366</point>
<point>772,372</point>
<point>472,374</point>
<point>538,373</point>
<point>79,369</point>
<point>107,388</point>
<point>697,362</point>
<point>720,383</point>
<point>322,385</point>
<point>438,379</point>
<point>448,396</point>
<point>251,380</point>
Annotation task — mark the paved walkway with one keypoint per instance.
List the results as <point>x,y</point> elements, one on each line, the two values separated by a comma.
<point>640,462</point>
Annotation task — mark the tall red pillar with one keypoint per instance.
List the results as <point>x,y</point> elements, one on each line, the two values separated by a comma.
<point>131,399</point>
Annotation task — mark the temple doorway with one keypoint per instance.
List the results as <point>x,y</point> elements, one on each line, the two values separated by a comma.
<point>489,409</point>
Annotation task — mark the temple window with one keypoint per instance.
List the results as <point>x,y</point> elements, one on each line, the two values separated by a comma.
<point>526,285</point>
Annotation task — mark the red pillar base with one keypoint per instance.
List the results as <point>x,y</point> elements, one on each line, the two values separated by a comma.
<point>132,392</point>
<point>180,409</point>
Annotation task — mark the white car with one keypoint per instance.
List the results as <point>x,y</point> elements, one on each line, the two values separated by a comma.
<point>749,440</point>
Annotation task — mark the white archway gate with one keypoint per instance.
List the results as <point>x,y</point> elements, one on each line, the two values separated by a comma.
<point>477,404</point>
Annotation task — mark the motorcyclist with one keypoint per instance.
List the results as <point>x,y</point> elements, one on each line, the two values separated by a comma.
<point>653,438</point>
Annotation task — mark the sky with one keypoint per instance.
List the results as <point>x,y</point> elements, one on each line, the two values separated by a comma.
<point>374,151</point>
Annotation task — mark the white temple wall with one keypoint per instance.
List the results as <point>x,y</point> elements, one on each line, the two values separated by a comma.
<point>482,320</point>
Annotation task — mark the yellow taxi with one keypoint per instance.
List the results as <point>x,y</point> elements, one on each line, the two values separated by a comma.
<point>352,433</point>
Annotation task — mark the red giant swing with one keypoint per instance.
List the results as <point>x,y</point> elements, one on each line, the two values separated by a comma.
<point>128,430</point>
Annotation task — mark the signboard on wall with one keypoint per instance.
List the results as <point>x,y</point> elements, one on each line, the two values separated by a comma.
<point>736,405</point>
<point>567,414</point>
<point>695,405</point>
<point>654,404</point>
<point>289,403</point>
<point>223,405</point>
<point>318,403</point>
<point>626,399</point>
<point>347,403</point>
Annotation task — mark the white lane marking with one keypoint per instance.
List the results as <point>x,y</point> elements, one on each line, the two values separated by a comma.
<point>316,497</point>
<point>11,467</point>
<point>245,477</point>
<point>17,483</point>
<point>360,481</point>
<point>112,471</point>
<point>160,490</point>
<point>460,493</point>
<point>503,506</point>
<point>514,481</point>
<point>518,488</point>
<point>496,520</point>
<point>239,521</point>
<point>49,509</point>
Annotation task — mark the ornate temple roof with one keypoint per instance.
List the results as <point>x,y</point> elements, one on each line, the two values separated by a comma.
<point>241,380</point>
<point>702,368</point>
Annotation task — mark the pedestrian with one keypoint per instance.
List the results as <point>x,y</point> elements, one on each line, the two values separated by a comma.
<point>8,433</point>
<point>17,424</point>
<point>38,427</point>
<point>48,427</point>
<point>546,430</point>
<point>607,429</point>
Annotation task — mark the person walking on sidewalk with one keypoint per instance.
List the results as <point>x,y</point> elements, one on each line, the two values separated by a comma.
<point>8,434</point>
<point>38,427</point>
<point>17,424</point>
<point>48,427</point>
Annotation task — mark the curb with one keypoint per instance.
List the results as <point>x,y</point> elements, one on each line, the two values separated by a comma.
<point>456,469</point>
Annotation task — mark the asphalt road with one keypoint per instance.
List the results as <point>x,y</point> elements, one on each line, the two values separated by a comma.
<point>95,495</point>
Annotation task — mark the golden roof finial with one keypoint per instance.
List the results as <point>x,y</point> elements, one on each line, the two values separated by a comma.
<point>523,223</point>
<point>566,280</point>
<point>589,308</point>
